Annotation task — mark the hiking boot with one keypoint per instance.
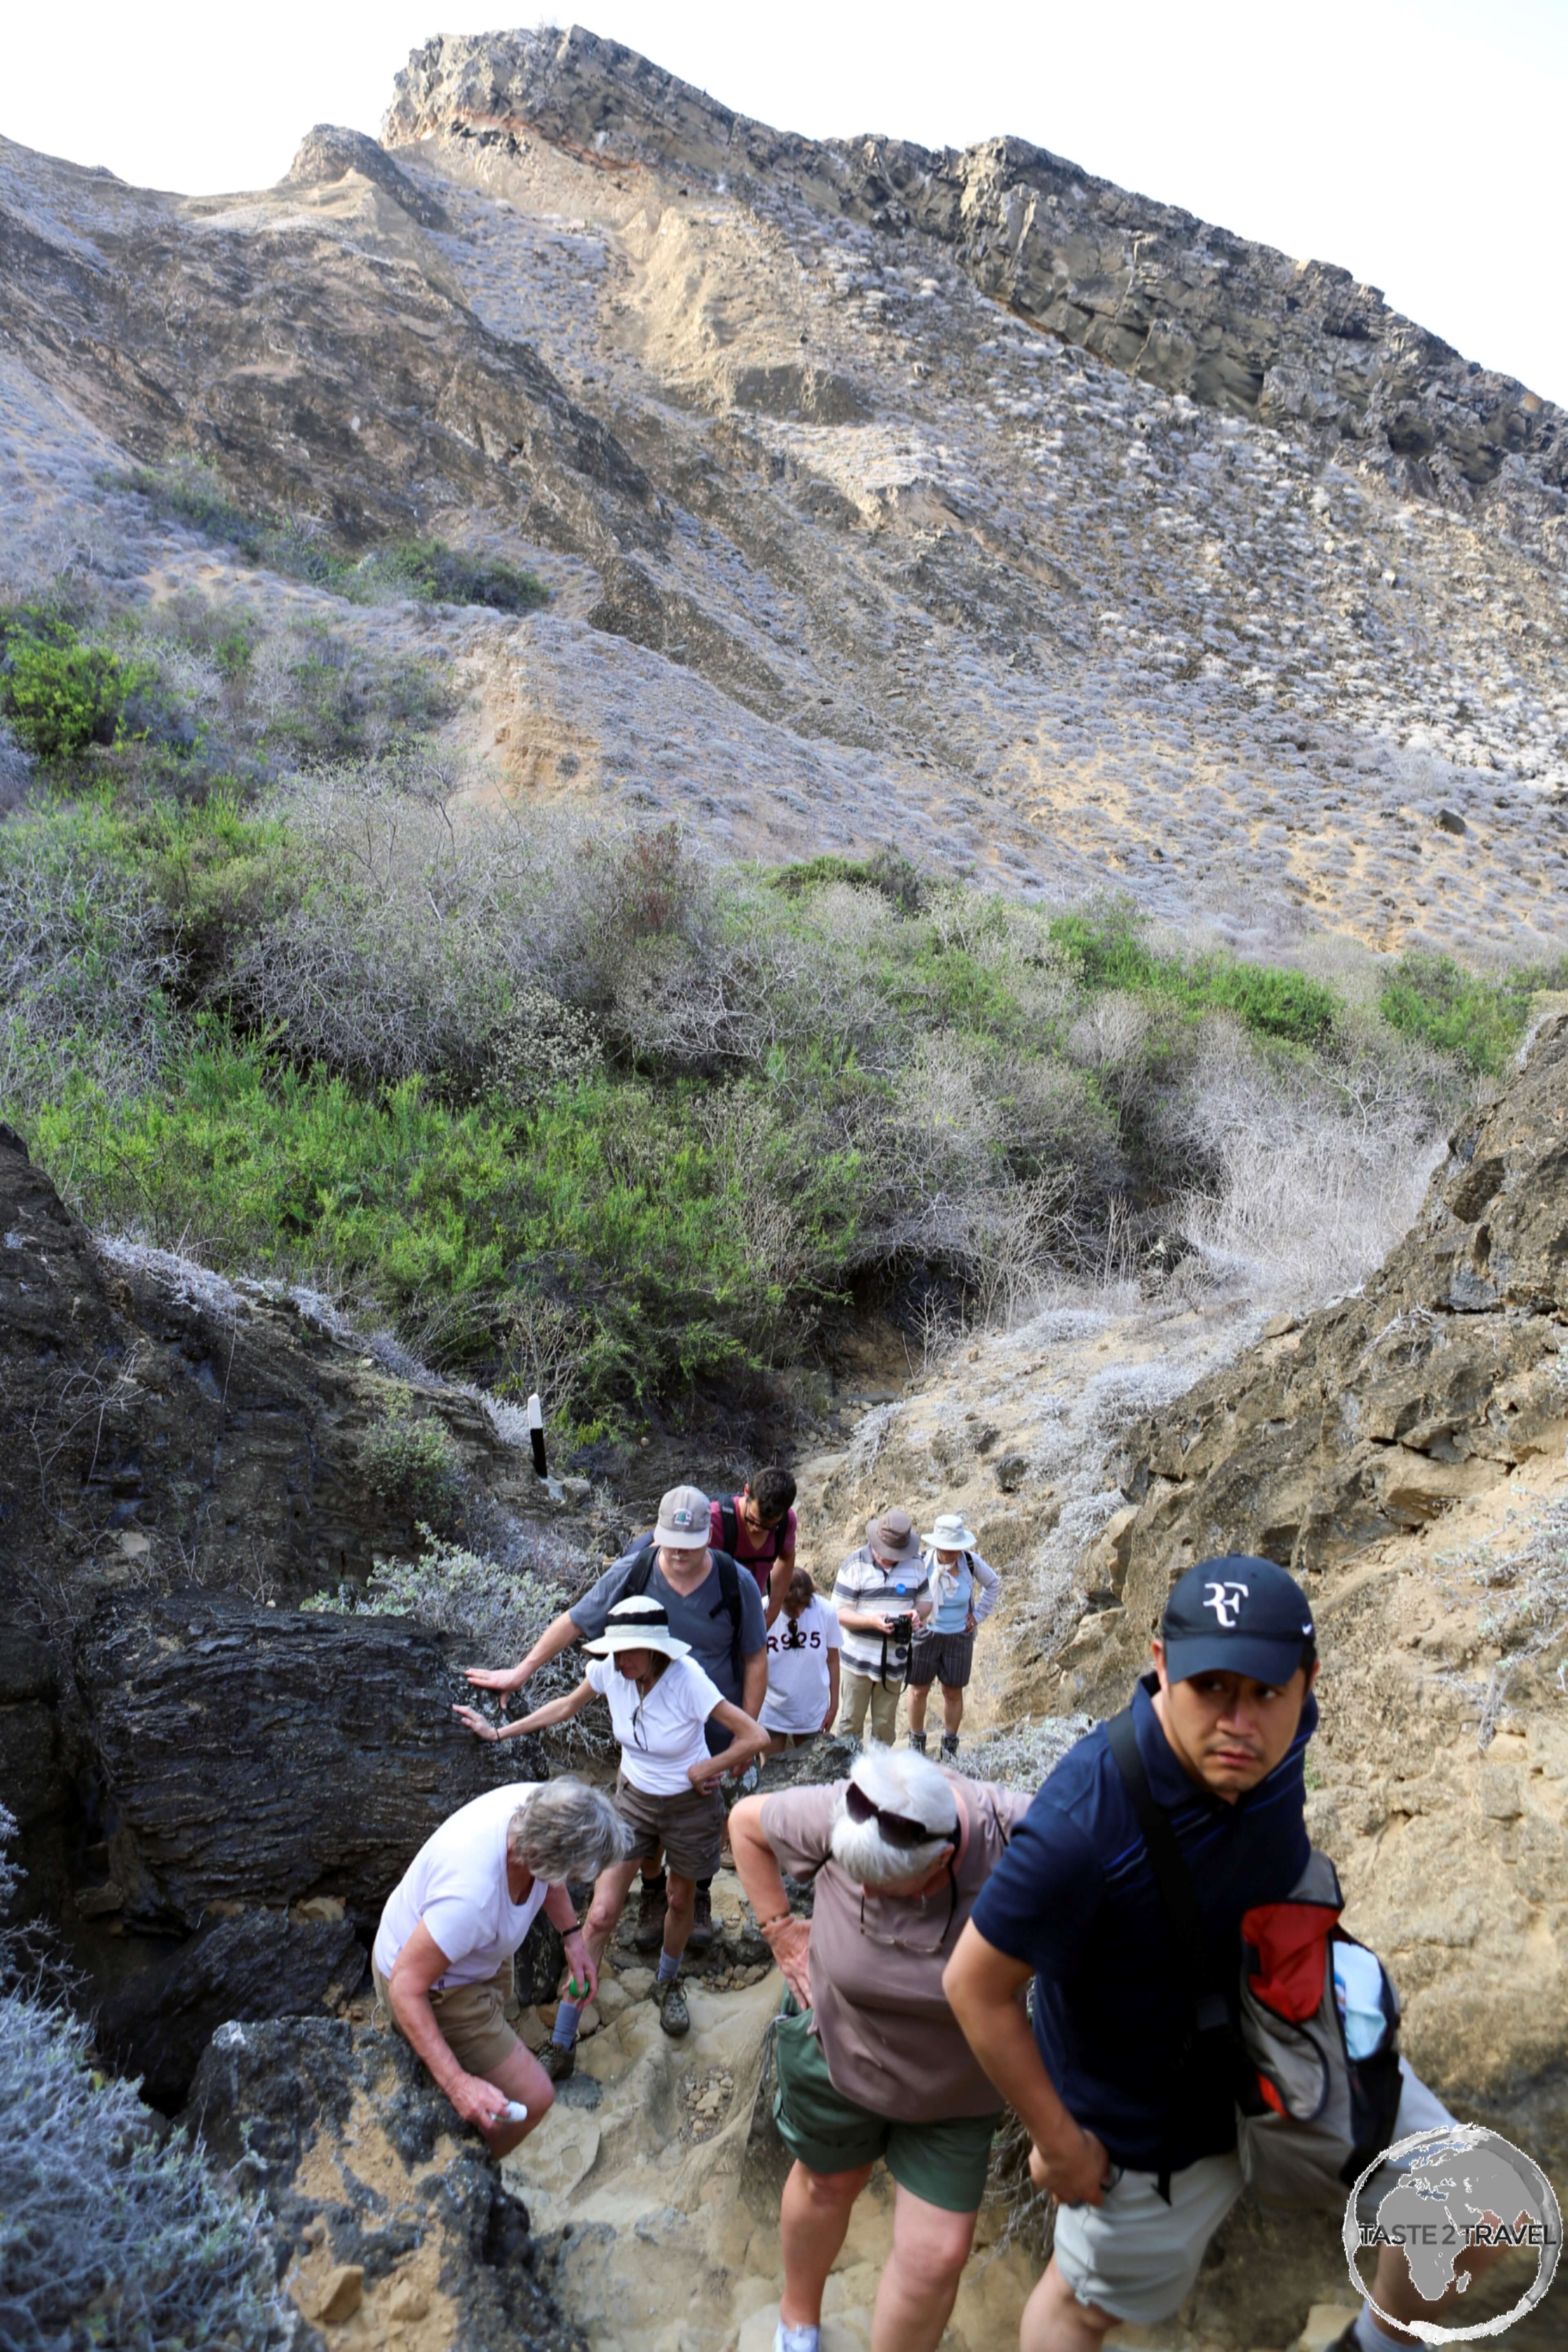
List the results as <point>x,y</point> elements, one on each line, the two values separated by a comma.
<point>949,1743</point>
<point>557,2063</point>
<point>673,2014</point>
<point>649,1934</point>
<point>701,1934</point>
<point>918,1742</point>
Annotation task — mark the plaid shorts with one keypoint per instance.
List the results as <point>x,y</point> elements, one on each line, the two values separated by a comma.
<point>945,1658</point>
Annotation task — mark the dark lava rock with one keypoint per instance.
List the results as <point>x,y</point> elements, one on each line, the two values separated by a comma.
<point>313,2100</point>
<point>258,1965</point>
<point>259,1756</point>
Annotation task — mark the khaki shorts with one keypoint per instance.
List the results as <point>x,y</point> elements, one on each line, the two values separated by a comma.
<point>472,2021</point>
<point>689,1825</point>
<point>1138,2258</point>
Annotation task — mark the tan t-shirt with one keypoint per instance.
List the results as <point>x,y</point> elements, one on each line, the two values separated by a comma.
<point>889,2039</point>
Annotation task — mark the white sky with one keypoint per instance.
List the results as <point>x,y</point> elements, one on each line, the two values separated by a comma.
<point>1419,142</point>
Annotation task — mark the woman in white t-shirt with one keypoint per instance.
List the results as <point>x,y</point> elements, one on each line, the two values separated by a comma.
<point>804,1643</point>
<point>443,1952</point>
<point>667,1793</point>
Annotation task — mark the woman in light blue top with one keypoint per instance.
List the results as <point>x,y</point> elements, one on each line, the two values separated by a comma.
<point>943,1652</point>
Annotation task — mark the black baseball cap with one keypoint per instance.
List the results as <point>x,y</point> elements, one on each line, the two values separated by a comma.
<point>1235,1615</point>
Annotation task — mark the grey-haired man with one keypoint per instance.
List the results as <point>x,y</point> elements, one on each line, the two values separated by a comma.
<point>711,1603</point>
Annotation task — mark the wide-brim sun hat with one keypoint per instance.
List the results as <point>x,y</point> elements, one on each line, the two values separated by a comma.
<point>949,1533</point>
<point>638,1623</point>
<point>684,1520</point>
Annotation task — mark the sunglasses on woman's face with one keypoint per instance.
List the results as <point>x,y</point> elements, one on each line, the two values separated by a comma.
<point>896,1828</point>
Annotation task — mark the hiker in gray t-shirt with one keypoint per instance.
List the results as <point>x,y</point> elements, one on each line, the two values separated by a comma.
<point>711,1603</point>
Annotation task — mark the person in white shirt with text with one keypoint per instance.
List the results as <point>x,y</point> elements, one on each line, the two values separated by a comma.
<point>804,1644</point>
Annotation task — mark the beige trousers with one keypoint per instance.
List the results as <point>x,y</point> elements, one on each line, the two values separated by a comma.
<point>863,1691</point>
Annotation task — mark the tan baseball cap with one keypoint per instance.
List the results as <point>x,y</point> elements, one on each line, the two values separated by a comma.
<point>892,1534</point>
<point>683,1519</point>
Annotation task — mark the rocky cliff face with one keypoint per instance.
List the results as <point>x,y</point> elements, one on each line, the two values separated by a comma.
<point>1146,287</point>
<point>1435,1381</point>
<point>392,2224</point>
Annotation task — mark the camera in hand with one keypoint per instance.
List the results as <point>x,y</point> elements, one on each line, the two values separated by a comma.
<point>901,1629</point>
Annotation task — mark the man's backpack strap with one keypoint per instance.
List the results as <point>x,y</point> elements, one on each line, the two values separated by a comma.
<point>1171,1875</point>
<point>728,1525</point>
<point>730,1599</point>
<point>1173,1882</point>
<point>640,1574</point>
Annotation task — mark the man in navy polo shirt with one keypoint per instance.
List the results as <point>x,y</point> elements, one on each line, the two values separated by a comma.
<point>1142,2159</point>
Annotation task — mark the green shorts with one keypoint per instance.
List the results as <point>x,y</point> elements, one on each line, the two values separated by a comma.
<point>944,2163</point>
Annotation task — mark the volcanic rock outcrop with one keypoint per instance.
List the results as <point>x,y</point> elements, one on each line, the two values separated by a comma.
<point>1145,285</point>
<point>186,1762</point>
<point>382,2205</point>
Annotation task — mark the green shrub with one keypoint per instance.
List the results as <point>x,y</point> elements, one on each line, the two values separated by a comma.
<point>424,568</point>
<point>1480,1021</point>
<point>607,1195</point>
<point>60,694</point>
<point>1108,950</point>
<point>411,1464</point>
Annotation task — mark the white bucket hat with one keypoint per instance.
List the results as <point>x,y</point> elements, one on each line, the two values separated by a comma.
<point>638,1622</point>
<point>683,1519</point>
<point>949,1534</point>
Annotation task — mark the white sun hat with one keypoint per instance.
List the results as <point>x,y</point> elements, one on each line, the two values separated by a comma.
<point>949,1534</point>
<point>638,1622</point>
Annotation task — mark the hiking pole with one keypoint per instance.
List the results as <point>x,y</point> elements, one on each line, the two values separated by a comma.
<point>536,1433</point>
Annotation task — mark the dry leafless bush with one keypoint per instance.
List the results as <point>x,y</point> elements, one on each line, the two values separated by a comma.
<point>1319,1171</point>
<point>111,2232</point>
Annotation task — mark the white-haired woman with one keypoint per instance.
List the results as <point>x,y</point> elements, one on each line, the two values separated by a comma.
<point>443,1952</point>
<point>871,2062</point>
<point>965,1588</point>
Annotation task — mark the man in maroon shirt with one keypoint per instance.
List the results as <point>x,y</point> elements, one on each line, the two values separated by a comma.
<point>756,1527</point>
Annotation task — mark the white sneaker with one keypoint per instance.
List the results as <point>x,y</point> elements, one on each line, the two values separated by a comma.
<point>797,2339</point>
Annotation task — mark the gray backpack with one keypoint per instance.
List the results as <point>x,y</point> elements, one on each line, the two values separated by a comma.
<point>1310,2118</point>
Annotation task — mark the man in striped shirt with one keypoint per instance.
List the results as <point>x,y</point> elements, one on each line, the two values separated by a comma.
<point>880,1592</point>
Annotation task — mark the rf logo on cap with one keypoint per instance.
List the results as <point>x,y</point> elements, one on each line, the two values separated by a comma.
<point>1225,1600</point>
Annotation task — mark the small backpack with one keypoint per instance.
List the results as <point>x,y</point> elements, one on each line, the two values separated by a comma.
<point>1310,2118</point>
